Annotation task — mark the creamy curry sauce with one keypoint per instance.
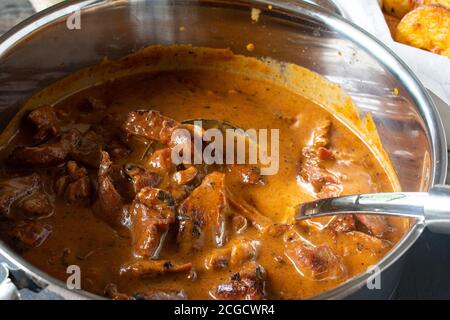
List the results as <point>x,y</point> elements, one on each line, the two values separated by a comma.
<point>141,228</point>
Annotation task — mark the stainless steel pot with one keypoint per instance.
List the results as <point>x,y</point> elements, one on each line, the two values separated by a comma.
<point>50,45</point>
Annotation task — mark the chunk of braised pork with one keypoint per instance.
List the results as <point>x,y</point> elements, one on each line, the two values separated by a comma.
<point>111,292</point>
<point>248,174</point>
<point>258,220</point>
<point>153,268</point>
<point>151,214</point>
<point>185,176</point>
<point>26,196</point>
<point>326,184</point>
<point>109,198</point>
<point>27,235</point>
<point>48,154</point>
<point>315,262</point>
<point>16,188</point>
<point>45,122</point>
<point>376,225</point>
<point>141,178</point>
<point>160,161</point>
<point>247,284</point>
<point>202,216</point>
<point>235,254</point>
<point>151,125</point>
<point>36,206</point>
<point>88,151</point>
<point>79,188</point>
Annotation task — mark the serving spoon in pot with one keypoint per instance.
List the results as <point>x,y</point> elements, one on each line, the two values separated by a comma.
<point>430,208</point>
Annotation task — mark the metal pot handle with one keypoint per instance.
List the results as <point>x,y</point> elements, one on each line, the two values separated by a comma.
<point>430,208</point>
<point>437,209</point>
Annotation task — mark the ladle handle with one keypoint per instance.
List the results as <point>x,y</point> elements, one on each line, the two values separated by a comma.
<point>432,208</point>
<point>437,209</point>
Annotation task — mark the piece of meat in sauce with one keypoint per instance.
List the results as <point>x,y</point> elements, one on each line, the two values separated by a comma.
<point>140,178</point>
<point>376,225</point>
<point>247,173</point>
<point>26,234</point>
<point>153,268</point>
<point>75,185</point>
<point>247,284</point>
<point>151,125</point>
<point>202,216</point>
<point>111,292</point>
<point>109,198</point>
<point>235,254</point>
<point>88,151</point>
<point>26,196</point>
<point>315,262</point>
<point>325,183</point>
<point>151,214</point>
<point>46,123</point>
<point>45,155</point>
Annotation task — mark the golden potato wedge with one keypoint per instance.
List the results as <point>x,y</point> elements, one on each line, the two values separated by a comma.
<point>398,8</point>
<point>445,3</point>
<point>427,27</point>
<point>392,23</point>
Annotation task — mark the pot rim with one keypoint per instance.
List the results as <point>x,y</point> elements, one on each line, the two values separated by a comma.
<point>372,46</point>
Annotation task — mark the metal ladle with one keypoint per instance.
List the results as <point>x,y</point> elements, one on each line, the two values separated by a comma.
<point>430,208</point>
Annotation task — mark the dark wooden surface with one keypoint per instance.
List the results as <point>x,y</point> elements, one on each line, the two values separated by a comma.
<point>427,269</point>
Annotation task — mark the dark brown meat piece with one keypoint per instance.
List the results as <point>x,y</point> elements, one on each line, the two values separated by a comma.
<point>28,235</point>
<point>202,216</point>
<point>153,268</point>
<point>248,284</point>
<point>88,152</point>
<point>151,214</point>
<point>46,123</point>
<point>14,189</point>
<point>26,196</point>
<point>46,155</point>
<point>79,191</point>
<point>377,225</point>
<point>36,206</point>
<point>151,125</point>
<point>110,199</point>
<point>141,178</point>
<point>75,185</point>
<point>234,255</point>
<point>319,263</point>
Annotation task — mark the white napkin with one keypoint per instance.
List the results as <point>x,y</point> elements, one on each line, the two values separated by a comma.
<point>433,70</point>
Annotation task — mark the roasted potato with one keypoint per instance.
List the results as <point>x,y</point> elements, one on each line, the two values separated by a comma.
<point>392,23</point>
<point>445,3</point>
<point>427,27</point>
<point>398,8</point>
